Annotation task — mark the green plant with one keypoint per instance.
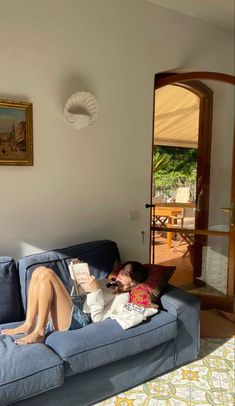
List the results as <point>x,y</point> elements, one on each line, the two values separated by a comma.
<point>160,161</point>
<point>173,167</point>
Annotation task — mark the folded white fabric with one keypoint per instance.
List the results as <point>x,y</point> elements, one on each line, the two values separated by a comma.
<point>130,315</point>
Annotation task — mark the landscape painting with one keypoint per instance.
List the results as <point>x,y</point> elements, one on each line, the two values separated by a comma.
<point>16,138</point>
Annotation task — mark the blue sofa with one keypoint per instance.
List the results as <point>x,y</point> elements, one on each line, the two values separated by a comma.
<point>82,367</point>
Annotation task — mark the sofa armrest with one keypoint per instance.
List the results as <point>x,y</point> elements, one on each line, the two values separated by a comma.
<point>187,309</point>
<point>10,297</point>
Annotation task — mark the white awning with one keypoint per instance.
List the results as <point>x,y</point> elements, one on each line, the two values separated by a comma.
<point>176,117</point>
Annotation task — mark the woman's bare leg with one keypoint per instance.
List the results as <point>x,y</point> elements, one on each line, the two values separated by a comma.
<point>52,297</point>
<point>32,307</point>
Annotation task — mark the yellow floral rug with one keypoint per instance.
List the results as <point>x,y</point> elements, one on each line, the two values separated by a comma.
<point>207,381</point>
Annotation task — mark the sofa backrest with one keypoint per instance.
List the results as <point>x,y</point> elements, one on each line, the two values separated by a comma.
<point>10,298</point>
<point>100,255</point>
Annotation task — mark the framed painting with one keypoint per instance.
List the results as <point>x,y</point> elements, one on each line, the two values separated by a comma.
<point>16,133</point>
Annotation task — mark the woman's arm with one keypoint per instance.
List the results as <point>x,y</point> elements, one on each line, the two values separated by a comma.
<point>95,305</point>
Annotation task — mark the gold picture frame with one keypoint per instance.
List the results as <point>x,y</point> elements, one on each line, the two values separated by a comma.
<point>16,133</point>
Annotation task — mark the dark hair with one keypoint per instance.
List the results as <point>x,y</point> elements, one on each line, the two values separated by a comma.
<point>138,272</point>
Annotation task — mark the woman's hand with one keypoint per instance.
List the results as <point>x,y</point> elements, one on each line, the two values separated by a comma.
<point>91,284</point>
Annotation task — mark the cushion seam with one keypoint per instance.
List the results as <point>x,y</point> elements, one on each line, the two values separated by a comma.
<point>28,376</point>
<point>113,342</point>
<point>125,356</point>
<point>30,396</point>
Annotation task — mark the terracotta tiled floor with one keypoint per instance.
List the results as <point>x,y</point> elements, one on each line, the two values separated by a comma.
<point>183,276</point>
<point>166,256</point>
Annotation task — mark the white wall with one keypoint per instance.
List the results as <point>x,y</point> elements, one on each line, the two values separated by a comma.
<point>83,184</point>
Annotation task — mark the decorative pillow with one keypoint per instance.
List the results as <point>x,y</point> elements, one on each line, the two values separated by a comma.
<point>147,294</point>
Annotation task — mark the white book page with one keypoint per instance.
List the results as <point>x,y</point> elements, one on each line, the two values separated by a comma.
<point>78,272</point>
<point>81,270</point>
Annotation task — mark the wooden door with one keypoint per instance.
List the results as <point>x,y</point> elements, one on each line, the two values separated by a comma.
<point>213,233</point>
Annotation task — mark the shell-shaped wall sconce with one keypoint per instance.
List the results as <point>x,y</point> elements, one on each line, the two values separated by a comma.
<point>81,109</point>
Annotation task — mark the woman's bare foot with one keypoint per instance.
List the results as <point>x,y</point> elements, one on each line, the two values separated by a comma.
<point>34,337</point>
<point>24,328</point>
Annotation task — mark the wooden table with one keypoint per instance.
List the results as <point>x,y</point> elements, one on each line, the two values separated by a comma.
<point>163,215</point>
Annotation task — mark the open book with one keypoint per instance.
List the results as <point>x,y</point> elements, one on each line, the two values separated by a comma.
<point>78,271</point>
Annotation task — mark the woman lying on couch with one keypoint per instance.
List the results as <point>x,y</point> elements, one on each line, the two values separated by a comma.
<point>50,307</point>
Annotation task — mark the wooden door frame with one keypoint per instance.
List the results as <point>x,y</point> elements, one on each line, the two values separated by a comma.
<point>205,95</point>
<point>231,277</point>
<point>167,78</point>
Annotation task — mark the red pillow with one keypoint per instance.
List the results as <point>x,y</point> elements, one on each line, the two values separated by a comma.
<point>147,294</point>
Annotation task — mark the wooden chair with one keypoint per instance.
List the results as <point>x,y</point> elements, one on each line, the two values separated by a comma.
<point>182,196</point>
<point>184,238</point>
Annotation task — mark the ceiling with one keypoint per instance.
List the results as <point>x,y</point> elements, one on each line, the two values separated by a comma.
<point>218,12</point>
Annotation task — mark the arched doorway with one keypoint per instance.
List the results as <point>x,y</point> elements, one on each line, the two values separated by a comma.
<point>212,243</point>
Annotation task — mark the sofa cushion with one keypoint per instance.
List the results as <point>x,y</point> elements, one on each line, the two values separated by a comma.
<point>103,342</point>
<point>27,370</point>
<point>10,301</point>
<point>100,255</point>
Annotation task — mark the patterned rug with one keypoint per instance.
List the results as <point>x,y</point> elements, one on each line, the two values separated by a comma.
<point>207,381</point>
